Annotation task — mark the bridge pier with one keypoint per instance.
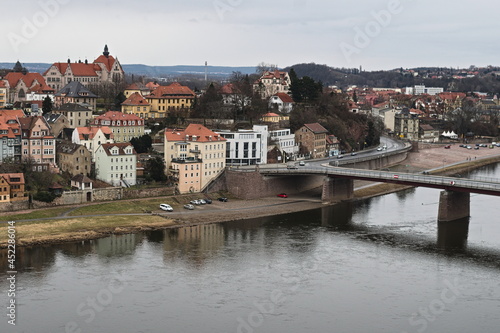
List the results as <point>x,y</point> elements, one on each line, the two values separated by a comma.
<point>453,205</point>
<point>337,189</point>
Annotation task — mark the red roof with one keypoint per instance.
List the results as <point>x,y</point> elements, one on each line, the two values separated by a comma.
<point>173,90</point>
<point>194,132</point>
<point>2,84</point>
<point>91,132</point>
<point>316,128</point>
<point>108,61</point>
<point>284,97</point>
<point>32,80</point>
<point>13,178</point>
<point>270,114</point>
<point>135,99</point>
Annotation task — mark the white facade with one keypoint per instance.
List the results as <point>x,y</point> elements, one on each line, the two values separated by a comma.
<point>94,140</point>
<point>419,90</point>
<point>245,147</point>
<point>116,164</point>
<point>285,141</point>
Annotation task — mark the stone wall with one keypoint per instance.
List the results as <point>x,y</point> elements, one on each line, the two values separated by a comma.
<point>149,192</point>
<point>13,206</point>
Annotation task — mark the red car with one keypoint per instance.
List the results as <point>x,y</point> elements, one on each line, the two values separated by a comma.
<point>447,147</point>
<point>282,195</point>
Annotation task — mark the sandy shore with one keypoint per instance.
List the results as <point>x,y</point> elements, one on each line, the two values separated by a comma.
<point>245,209</point>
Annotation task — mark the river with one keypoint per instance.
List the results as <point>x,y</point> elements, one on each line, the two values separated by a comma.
<point>378,265</point>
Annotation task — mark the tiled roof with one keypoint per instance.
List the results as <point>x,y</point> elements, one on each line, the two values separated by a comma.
<point>284,97</point>
<point>316,128</point>
<point>135,99</point>
<point>68,148</point>
<point>152,85</point>
<point>173,90</point>
<point>13,113</point>
<point>228,89</point>
<point>88,133</point>
<point>75,89</point>
<point>30,79</point>
<point>2,84</point>
<point>121,148</point>
<point>108,61</point>
<point>270,114</point>
<point>116,115</point>
<point>81,179</point>
<point>9,124</point>
<point>72,107</point>
<point>13,178</point>
<point>192,132</point>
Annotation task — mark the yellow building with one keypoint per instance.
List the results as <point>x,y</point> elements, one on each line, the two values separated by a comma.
<point>194,156</point>
<point>124,126</point>
<point>170,98</point>
<point>137,105</point>
<point>3,94</point>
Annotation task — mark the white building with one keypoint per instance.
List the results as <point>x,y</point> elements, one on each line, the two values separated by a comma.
<point>282,102</point>
<point>246,147</point>
<point>285,140</point>
<point>92,137</point>
<point>116,164</point>
<point>419,90</point>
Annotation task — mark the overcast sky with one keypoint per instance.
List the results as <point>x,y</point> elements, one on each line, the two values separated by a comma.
<point>374,34</point>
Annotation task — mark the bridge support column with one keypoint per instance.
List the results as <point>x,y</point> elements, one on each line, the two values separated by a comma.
<point>453,206</point>
<point>337,189</point>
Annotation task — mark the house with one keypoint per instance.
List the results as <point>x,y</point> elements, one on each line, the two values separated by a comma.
<point>77,114</point>
<point>174,97</point>
<point>3,94</point>
<point>232,96</point>
<point>284,140</point>
<point>245,147</point>
<point>281,102</point>
<point>312,140</point>
<point>407,124</point>
<point>104,69</point>
<point>194,156</point>
<point>123,126</point>
<point>139,88</point>
<point>12,187</point>
<point>81,182</point>
<point>38,143</point>
<point>92,137</point>
<point>116,163</point>
<point>332,146</point>
<point>427,133</point>
<point>57,123</point>
<point>388,115</point>
<point>271,83</point>
<point>21,83</point>
<point>75,93</point>
<point>137,105</point>
<point>10,135</point>
<point>73,158</point>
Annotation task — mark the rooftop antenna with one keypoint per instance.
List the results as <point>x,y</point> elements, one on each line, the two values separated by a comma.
<point>206,63</point>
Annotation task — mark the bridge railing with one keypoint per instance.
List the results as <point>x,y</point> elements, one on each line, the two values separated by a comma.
<point>441,181</point>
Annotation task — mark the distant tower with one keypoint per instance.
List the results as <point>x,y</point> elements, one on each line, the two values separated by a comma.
<point>18,67</point>
<point>206,78</point>
<point>106,52</point>
<point>360,68</point>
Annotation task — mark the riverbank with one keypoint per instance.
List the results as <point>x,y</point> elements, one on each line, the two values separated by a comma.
<point>68,224</point>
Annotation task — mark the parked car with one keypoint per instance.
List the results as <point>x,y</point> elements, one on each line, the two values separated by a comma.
<point>166,207</point>
<point>282,195</point>
<point>340,156</point>
<point>395,176</point>
<point>291,166</point>
<point>208,201</point>
<point>189,206</point>
<point>222,199</point>
<point>380,149</point>
<point>354,153</point>
<point>302,163</point>
<point>447,147</point>
<point>202,201</point>
<point>195,202</point>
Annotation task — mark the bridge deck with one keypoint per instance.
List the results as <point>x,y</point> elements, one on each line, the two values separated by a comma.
<point>491,187</point>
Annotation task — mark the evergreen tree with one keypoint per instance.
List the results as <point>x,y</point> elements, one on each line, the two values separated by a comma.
<point>47,105</point>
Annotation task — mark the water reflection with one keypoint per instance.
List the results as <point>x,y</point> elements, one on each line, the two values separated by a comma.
<point>452,235</point>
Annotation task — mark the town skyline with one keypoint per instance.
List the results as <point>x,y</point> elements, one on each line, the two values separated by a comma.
<point>377,35</point>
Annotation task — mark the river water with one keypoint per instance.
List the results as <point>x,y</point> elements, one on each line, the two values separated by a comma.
<point>379,265</point>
